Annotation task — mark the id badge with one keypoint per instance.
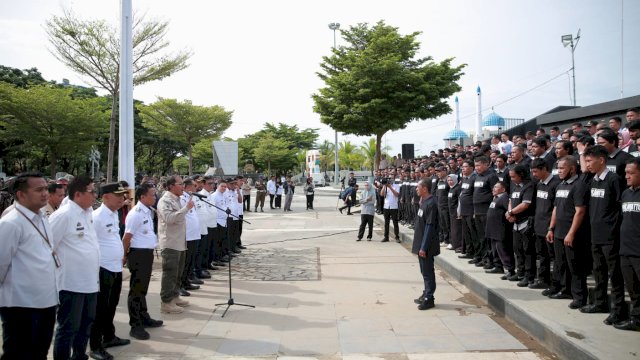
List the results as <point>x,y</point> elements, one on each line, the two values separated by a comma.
<point>56,259</point>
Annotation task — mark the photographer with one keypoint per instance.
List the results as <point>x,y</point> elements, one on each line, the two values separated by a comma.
<point>390,192</point>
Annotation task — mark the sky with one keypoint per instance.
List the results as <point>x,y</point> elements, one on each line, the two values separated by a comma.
<point>259,58</point>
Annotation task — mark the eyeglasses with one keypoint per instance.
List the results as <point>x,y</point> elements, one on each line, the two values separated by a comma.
<point>93,191</point>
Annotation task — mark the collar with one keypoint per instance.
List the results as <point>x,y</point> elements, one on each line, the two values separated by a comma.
<point>602,175</point>
<point>500,195</point>
<point>145,209</point>
<point>75,207</point>
<point>570,180</point>
<point>634,189</point>
<point>32,215</point>
<point>546,181</point>
<point>107,209</point>
<point>614,153</point>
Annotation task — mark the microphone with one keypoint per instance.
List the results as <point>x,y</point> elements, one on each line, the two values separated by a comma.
<point>197,195</point>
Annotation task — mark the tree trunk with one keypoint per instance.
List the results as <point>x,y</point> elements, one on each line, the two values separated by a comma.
<point>376,165</point>
<point>112,135</point>
<point>54,164</point>
<point>190,157</point>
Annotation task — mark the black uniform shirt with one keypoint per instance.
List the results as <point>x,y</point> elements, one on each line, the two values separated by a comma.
<point>522,193</point>
<point>545,198</point>
<point>630,228</point>
<point>633,150</point>
<point>497,224</point>
<point>604,207</point>
<point>427,215</point>
<point>442,194</point>
<point>466,195</point>
<point>504,177</point>
<point>482,194</point>
<point>454,195</point>
<point>617,162</point>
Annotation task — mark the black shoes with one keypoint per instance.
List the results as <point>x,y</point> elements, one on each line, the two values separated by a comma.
<point>100,354</point>
<point>549,291</point>
<point>488,267</point>
<point>241,247</point>
<point>359,239</point>
<point>202,275</point>
<point>539,284</point>
<point>613,319</point>
<point>349,213</point>
<point>464,256</point>
<point>593,309</point>
<point>576,304</point>
<point>398,239</point>
<point>515,277</point>
<point>368,239</point>
<point>184,292</point>
<point>340,210</point>
<point>151,323</point>
<point>495,270</point>
<point>524,283</point>
<point>472,261</point>
<point>631,325</point>
<point>385,240</point>
<point>139,333</point>
<point>419,300</point>
<point>426,304</point>
<point>508,275</point>
<point>116,341</point>
<point>191,287</point>
<point>195,280</point>
<point>560,295</point>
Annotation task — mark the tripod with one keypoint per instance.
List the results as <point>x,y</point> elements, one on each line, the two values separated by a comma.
<point>230,301</point>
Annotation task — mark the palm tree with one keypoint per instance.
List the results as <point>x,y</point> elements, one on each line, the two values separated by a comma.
<point>327,155</point>
<point>368,149</point>
<point>349,155</point>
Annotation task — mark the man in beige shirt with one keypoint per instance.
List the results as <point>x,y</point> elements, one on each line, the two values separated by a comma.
<point>56,194</point>
<point>172,236</point>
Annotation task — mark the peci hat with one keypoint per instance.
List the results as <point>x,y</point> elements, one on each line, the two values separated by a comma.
<point>592,123</point>
<point>112,188</point>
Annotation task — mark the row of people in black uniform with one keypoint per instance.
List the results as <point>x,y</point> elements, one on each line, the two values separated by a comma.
<point>521,218</point>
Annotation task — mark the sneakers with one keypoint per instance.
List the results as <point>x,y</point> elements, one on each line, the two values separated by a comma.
<point>170,308</point>
<point>138,332</point>
<point>180,302</point>
<point>426,304</point>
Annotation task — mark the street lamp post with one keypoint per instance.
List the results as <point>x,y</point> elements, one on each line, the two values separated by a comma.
<point>569,40</point>
<point>334,27</point>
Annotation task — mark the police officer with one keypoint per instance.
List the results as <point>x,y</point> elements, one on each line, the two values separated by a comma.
<point>470,245</point>
<point>520,214</point>
<point>442,198</point>
<point>498,231</point>
<point>425,243</point>
<point>482,196</point>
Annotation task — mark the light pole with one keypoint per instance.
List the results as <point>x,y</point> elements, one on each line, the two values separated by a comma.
<point>334,27</point>
<point>569,40</point>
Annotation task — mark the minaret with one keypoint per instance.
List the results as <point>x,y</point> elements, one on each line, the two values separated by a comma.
<point>457,124</point>
<point>479,114</point>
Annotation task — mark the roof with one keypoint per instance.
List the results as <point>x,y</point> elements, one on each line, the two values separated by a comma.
<point>455,134</point>
<point>493,119</point>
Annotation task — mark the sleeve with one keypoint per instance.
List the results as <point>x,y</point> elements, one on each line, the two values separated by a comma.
<point>130,223</point>
<point>581,194</point>
<point>58,228</point>
<point>167,212</point>
<point>527,194</point>
<point>10,242</point>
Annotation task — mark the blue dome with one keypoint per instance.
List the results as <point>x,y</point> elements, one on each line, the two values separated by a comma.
<point>493,120</point>
<point>455,134</point>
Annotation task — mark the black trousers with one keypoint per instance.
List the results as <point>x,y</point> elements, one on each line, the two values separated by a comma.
<point>455,235</point>
<point>630,266</point>
<point>108,298</point>
<point>222,238</point>
<point>278,202</point>
<point>391,214</point>
<point>239,242</point>
<point>469,236</point>
<point>76,314</point>
<point>525,253</point>
<point>484,252</point>
<point>504,250</point>
<point>189,261</point>
<point>561,268</point>
<point>544,255</point>
<point>428,275</point>
<point>271,196</point>
<point>606,263</point>
<point>444,224</point>
<point>246,202</point>
<point>139,263</point>
<point>27,332</point>
<point>215,247</point>
<point>310,201</point>
<point>202,253</point>
<point>579,261</point>
<point>234,233</point>
<point>364,221</point>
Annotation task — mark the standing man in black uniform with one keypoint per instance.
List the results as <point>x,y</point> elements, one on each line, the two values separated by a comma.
<point>498,231</point>
<point>569,227</point>
<point>630,243</point>
<point>425,243</point>
<point>540,150</point>
<point>616,158</point>
<point>520,214</point>
<point>502,170</point>
<point>470,244</point>
<point>482,197</point>
<point>545,198</point>
<point>604,213</point>
<point>442,198</point>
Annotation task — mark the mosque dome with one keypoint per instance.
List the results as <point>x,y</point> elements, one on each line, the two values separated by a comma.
<point>493,122</point>
<point>455,134</point>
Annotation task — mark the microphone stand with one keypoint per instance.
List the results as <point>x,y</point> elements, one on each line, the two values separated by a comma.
<point>230,302</point>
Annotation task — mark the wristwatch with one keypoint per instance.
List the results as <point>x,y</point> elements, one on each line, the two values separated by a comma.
<point>551,228</point>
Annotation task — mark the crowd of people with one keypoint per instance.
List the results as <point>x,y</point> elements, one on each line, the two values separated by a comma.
<point>64,253</point>
<point>542,210</point>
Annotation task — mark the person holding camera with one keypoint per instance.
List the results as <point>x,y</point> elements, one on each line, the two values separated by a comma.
<point>390,192</point>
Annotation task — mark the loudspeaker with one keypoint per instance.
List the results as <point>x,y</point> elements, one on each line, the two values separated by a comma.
<point>407,151</point>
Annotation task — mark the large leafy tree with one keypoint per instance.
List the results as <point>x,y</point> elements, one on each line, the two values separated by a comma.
<point>277,155</point>
<point>49,121</point>
<point>185,122</point>
<point>92,49</point>
<point>21,78</point>
<point>377,84</point>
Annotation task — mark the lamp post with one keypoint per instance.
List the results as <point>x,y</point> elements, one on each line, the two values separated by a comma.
<point>334,27</point>
<point>569,40</point>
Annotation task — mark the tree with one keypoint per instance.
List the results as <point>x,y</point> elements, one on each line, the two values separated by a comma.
<point>92,48</point>
<point>185,122</point>
<point>375,84</point>
<point>277,154</point>
<point>21,78</point>
<point>48,120</point>
<point>368,150</point>
<point>327,155</point>
<point>349,156</point>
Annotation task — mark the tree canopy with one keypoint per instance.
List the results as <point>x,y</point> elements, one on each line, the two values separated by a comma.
<point>185,122</point>
<point>92,48</point>
<point>376,84</point>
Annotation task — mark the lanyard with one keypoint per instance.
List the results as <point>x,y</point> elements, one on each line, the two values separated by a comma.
<point>44,236</point>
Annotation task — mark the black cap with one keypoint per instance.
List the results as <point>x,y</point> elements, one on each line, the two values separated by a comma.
<point>592,123</point>
<point>112,188</point>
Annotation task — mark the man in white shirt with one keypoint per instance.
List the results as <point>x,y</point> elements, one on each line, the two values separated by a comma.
<point>139,241</point>
<point>235,204</point>
<point>207,216</point>
<point>28,291</point>
<point>107,225</point>
<point>221,236</point>
<point>193,237</point>
<point>76,244</point>
<point>390,192</point>
<point>271,190</point>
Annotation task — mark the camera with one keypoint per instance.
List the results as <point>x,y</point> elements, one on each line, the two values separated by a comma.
<point>384,181</point>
